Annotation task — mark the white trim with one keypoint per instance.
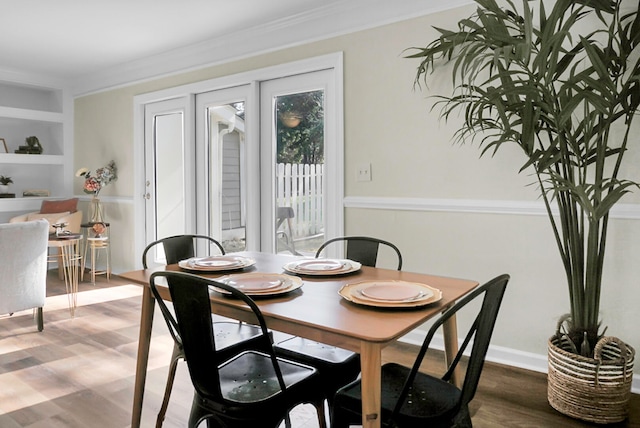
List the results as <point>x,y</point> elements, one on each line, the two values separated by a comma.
<point>476,206</point>
<point>326,21</point>
<point>501,355</point>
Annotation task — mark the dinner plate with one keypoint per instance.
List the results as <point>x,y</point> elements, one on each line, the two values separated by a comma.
<point>389,291</point>
<point>322,266</point>
<point>261,284</point>
<point>216,263</point>
<point>381,294</point>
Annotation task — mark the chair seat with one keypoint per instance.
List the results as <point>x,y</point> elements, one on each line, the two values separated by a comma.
<point>432,401</point>
<point>232,337</point>
<point>250,378</point>
<point>336,366</point>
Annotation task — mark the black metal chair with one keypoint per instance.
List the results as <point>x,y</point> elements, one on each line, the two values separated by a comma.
<point>362,249</point>
<point>230,336</point>
<point>249,389</point>
<point>337,366</point>
<point>414,399</point>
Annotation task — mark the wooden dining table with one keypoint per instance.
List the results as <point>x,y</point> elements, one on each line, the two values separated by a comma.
<point>316,311</point>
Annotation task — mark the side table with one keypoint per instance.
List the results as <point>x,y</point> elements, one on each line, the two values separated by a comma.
<point>93,245</point>
<point>69,256</point>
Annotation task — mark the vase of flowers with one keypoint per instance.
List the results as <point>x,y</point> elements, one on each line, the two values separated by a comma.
<point>93,184</point>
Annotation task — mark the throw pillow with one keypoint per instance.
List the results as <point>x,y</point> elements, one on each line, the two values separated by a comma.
<point>52,218</point>
<point>67,205</point>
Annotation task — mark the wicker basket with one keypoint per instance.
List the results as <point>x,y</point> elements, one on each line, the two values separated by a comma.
<point>591,389</point>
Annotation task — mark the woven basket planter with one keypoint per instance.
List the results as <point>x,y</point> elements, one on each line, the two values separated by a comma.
<point>591,389</point>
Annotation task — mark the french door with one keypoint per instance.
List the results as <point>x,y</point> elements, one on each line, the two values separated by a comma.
<point>257,166</point>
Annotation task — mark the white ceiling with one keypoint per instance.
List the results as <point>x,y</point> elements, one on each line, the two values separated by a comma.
<point>87,41</point>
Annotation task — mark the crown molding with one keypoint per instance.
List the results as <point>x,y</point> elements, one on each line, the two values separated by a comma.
<point>324,22</point>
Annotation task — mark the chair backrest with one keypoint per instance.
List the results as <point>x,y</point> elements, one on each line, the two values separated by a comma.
<point>179,247</point>
<point>23,271</point>
<point>191,303</point>
<point>362,249</point>
<point>480,331</point>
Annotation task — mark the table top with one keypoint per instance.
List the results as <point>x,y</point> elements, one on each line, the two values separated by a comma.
<point>318,312</point>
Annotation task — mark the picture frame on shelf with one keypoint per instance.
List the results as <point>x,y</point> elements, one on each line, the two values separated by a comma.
<point>36,192</point>
<point>4,143</point>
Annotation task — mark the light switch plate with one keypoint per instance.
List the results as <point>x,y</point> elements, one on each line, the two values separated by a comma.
<point>363,172</point>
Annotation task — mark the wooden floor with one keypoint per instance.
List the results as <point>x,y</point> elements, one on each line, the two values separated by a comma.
<point>79,372</point>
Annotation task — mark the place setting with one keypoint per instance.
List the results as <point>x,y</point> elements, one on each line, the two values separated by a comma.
<point>322,267</point>
<point>220,263</point>
<point>390,294</point>
<point>260,284</point>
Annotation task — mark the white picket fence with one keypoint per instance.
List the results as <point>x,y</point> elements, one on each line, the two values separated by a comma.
<point>301,187</point>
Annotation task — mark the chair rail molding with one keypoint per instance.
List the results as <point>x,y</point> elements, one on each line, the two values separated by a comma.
<point>473,206</point>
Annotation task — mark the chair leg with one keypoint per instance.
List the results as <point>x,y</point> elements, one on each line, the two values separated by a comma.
<point>40,319</point>
<point>322,420</point>
<point>175,356</point>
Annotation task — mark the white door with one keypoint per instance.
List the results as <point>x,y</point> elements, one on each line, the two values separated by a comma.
<point>169,193</point>
<point>301,162</point>
<point>227,202</point>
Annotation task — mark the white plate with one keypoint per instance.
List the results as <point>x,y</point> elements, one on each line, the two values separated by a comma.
<point>393,291</point>
<point>261,284</point>
<point>426,295</point>
<point>216,263</point>
<point>322,266</point>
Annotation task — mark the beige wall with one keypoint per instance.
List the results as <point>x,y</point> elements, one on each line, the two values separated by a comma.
<point>389,124</point>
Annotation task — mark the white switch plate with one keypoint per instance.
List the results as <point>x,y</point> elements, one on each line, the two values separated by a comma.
<point>363,172</point>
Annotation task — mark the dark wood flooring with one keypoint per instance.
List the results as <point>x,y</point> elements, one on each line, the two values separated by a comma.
<point>79,372</point>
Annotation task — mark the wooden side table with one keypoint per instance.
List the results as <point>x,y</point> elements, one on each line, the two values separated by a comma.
<point>69,256</point>
<point>93,246</point>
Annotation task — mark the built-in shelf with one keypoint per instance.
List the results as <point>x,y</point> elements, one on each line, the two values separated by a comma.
<point>43,111</point>
<point>21,204</point>
<point>24,159</point>
<point>39,115</point>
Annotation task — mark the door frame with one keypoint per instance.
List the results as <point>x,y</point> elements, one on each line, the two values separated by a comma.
<point>334,61</point>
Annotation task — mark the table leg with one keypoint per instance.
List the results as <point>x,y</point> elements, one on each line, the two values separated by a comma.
<point>144,341</point>
<point>70,261</point>
<point>450,333</point>
<point>371,362</point>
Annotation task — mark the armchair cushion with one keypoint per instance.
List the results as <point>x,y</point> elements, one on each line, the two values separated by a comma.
<point>66,205</point>
<point>73,219</point>
<point>52,218</point>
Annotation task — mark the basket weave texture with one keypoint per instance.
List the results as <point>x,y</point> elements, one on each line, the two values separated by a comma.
<point>591,389</point>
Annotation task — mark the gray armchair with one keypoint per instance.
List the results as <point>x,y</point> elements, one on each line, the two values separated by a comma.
<point>23,271</point>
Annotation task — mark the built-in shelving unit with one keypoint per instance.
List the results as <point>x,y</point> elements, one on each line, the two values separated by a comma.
<point>43,110</point>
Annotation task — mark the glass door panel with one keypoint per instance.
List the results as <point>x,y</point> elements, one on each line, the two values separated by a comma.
<point>293,153</point>
<point>299,171</point>
<point>222,148</point>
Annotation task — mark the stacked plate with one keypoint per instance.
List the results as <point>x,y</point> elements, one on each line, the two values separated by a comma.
<point>390,294</point>
<point>260,284</point>
<point>216,263</point>
<point>322,266</point>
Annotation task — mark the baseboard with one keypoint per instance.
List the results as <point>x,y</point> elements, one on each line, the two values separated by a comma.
<point>506,356</point>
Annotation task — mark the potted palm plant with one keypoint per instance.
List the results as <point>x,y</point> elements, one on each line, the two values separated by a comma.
<point>564,86</point>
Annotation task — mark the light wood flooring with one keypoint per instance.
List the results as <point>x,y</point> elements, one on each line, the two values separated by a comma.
<point>79,371</point>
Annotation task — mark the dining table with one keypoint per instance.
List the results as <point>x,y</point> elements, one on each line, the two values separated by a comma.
<point>317,311</point>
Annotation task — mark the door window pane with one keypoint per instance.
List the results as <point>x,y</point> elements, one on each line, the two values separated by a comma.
<point>299,170</point>
<point>227,206</point>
